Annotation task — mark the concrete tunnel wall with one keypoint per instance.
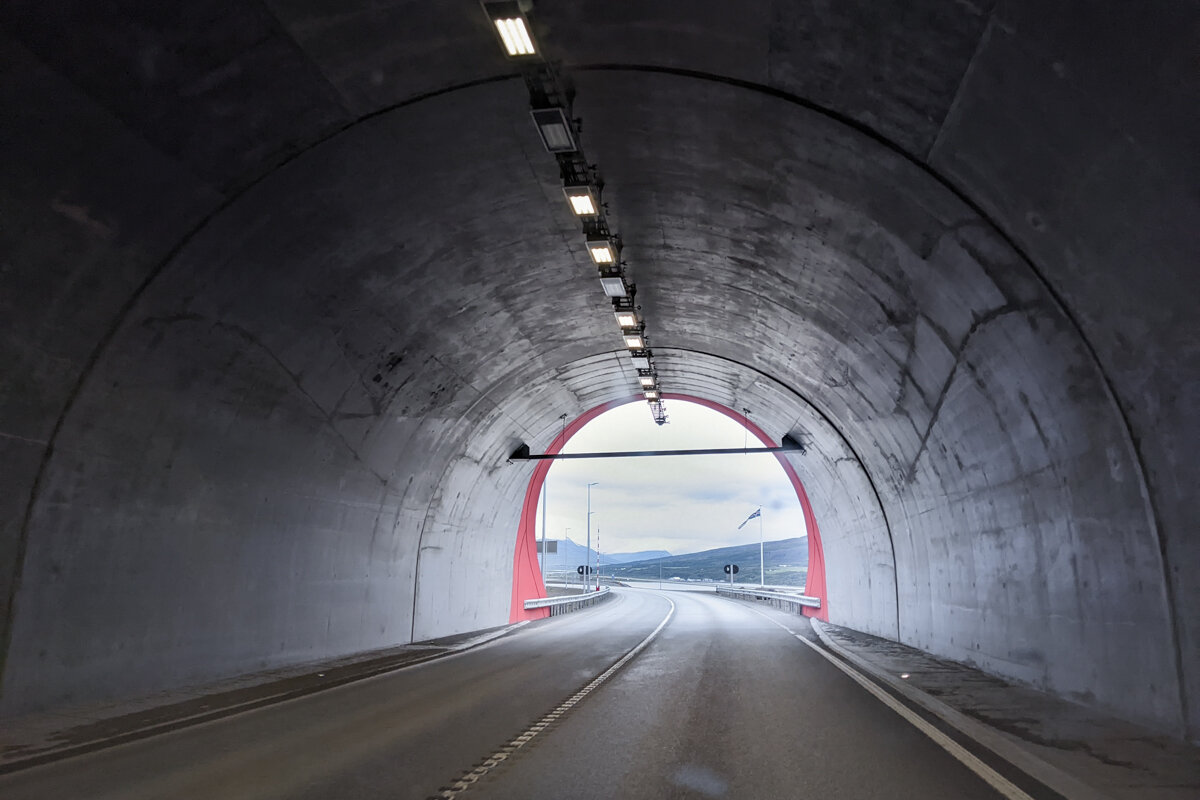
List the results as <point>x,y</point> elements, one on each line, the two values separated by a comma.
<point>276,306</point>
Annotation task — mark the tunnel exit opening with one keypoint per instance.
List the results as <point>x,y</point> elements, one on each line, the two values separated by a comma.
<point>528,578</point>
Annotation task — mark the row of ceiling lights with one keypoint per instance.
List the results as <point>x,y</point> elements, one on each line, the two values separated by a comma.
<point>551,100</point>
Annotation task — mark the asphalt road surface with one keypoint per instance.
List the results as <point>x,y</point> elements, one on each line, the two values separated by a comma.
<point>722,703</point>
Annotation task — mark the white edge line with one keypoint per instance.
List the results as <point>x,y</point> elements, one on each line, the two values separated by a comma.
<point>471,777</point>
<point>1056,779</point>
<point>205,719</point>
<point>968,759</point>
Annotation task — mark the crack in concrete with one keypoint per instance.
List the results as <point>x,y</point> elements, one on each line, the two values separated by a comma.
<point>328,417</point>
<point>959,351</point>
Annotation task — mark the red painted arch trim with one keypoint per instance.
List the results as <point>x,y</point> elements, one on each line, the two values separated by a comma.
<point>527,578</point>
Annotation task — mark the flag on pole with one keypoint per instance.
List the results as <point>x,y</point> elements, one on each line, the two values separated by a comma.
<point>757,513</point>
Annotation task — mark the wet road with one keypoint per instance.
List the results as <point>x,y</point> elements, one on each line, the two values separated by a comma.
<point>723,703</point>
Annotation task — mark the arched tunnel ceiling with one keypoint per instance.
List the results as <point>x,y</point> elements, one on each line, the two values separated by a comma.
<point>945,239</point>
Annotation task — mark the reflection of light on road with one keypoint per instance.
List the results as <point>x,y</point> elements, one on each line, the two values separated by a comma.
<point>701,779</point>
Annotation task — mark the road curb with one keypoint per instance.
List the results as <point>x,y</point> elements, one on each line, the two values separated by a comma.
<point>136,734</point>
<point>995,741</point>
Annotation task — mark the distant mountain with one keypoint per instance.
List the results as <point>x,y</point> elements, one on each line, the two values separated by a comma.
<point>786,563</point>
<point>641,555</point>
<point>566,555</point>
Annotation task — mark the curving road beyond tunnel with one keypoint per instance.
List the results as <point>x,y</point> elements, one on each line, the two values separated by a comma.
<point>723,702</point>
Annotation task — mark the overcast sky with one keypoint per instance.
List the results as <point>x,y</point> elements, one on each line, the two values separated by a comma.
<point>682,504</point>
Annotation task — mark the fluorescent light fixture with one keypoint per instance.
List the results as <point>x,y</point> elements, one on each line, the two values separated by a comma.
<point>602,250</point>
<point>515,36</point>
<point>626,318</point>
<point>584,200</point>
<point>634,341</point>
<point>555,129</point>
<point>650,394</point>
<point>647,381</point>
<point>640,358</point>
<point>512,27</point>
<point>612,279</point>
<point>614,286</point>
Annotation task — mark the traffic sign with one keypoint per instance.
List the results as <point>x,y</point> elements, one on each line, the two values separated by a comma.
<point>581,569</point>
<point>727,569</point>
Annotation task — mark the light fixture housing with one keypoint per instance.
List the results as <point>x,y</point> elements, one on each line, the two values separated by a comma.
<point>603,250</point>
<point>651,395</point>
<point>513,29</point>
<point>626,312</point>
<point>614,286</point>
<point>612,280</point>
<point>646,379</point>
<point>555,128</point>
<point>640,358</point>
<point>584,199</point>
<point>634,340</point>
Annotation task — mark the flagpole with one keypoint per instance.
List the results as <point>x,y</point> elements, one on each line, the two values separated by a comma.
<point>542,563</point>
<point>762,575</point>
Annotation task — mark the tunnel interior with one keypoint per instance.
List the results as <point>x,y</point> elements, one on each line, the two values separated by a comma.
<point>284,285</point>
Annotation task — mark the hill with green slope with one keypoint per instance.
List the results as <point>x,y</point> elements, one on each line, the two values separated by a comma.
<point>786,564</point>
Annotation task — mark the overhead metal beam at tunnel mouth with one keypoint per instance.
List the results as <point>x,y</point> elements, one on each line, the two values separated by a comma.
<point>789,445</point>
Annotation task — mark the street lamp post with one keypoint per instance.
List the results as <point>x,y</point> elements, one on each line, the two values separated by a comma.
<point>545,567</point>
<point>588,554</point>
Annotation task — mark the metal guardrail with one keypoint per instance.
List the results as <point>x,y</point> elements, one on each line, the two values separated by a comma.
<point>777,599</point>
<point>570,602</point>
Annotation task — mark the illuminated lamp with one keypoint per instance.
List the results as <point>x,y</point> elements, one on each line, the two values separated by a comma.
<point>584,200</point>
<point>513,29</point>
<point>626,312</point>
<point>602,249</point>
